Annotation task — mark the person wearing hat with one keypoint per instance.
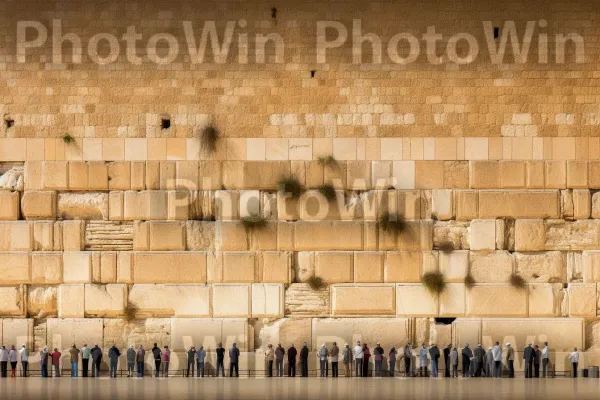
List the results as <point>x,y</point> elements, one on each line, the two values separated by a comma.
<point>24,355</point>
<point>497,357</point>
<point>510,360</point>
<point>358,359</point>
<point>528,354</point>
<point>304,360</point>
<point>467,354</point>
<point>378,357</point>
<point>545,359</point>
<point>292,353</point>
<point>334,353</point>
<point>131,357</point>
<point>478,355</point>
<point>347,358</point>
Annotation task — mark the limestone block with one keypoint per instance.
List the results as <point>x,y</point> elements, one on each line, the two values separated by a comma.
<point>596,205</point>
<point>302,300</point>
<point>454,265</point>
<point>20,236</point>
<point>71,301</point>
<point>566,206</point>
<point>115,206</point>
<point>358,175</point>
<point>9,205</point>
<point>442,205</point>
<point>208,333</point>
<point>545,299</point>
<point>143,332</point>
<point>364,299</point>
<point>108,267</point>
<point>77,267</point>
<point>167,175</point>
<point>402,266</point>
<point>453,234</point>
<point>231,236</point>
<point>496,300</point>
<point>18,331</point>
<point>138,175</point>
<point>46,268</point>
<point>170,300</point>
<point>97,176</point>
<point>535,174</point>
<point>105,300</point>
<point>577,174</point>
<point>39,205</point>
<point>368,267</point>
<point>267,300</point>
<point>283,330</point>
<point>231,301</point>
<point>304,266</point>
<point>61,333</point>
<point>12,301</point>
<point>556,174</point>
<point>32,175</point>
<point>73,235</point>
<point>512,174</point>
<point>324,235</point>
<point>275,266</point>
<point>456,174</point>
<point>387,331</point>
<point>119,175</point>
<point>415,300</point>
<point>452,300</point>
<point>55,175</point>
<point>77,175</point>
<point>41,301</point>
<point>491,267</point>
<point>561,333</point>
<point>141,235</point>
<point>249,202</point>
<point>542,267</point>
<point>572,235</point>
<point>186,175</point>
<point>591,266</point>
<point>575,267</point>
<point>482,234</point>
<point>466,331</point>
<point>210,175</point>
<point>582,203</point>
<point>505,234</point>
<point>200,235</point>
<point>582,300</point>
<point>484,174</point>
<point>519,204</point>
<point>285,235</point>
<point>124,267</point>
<point>467,204</point>
<point>43,236</point>
<point>58,237</point>
<point>236,267</point>
<point>410,203</point>
<point>149,267</point>
<point>15,268</point>
<point>167,236</point>
<point>227,203</point>
<point>259,175</point>
<point>83,206</point>
<point>530,235</point>
<point>428,174</point>
<point>288,209</point>
<point>145,205</point>
<point>334,267</point>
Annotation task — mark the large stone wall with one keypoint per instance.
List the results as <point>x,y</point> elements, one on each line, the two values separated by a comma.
<point>494,167</point>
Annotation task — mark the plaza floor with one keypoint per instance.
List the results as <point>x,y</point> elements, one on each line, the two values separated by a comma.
<point>286,388</point>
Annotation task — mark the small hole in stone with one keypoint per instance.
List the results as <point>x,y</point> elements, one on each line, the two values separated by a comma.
<point>312,73</point>
<point>9,123</point>
<point>165,123</point>
<point>496,32</point>
<point>565,285</point>
<point>444,321</point>
<point>273,13</point>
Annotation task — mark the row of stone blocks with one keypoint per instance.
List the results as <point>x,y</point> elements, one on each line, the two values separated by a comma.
<point>260,300</point>
<point>252,337</point>
<point>352,175</point>
<point>56,267</point>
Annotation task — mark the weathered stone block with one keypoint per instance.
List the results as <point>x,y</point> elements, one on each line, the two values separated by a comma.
<point>73,235</point>
<point>275,266</point>
<point>484,174</point>
<point>451,235</point>
<point>15,268</point>
<point>55,175</point>
<point>365,299</point>
<point>171,300</point>
<point>556,174</point>
<point>334,267</point>
<point>402,266</point>
<point>582,300</point>
<point>577,174</point>
<point>124,267</point>
<point>105,300</point>
<point>302,300</point>
<point>530,235</point>
<point>368,267</point>
<point>167,236</point>
<point>143,332</point>
<point>575,235</point>
<point>493,300</point>
<point>108,267</point>
<point>491,267</point>
<point>39,205</point>
<point>239,267</point>
<point>9,205</point>
<point>519,204</point>
<point>582,203</point>
<point>18,331</point>
<point>208,333</point>
<point>71,301</point>
<point>415,300</point>
<point>254,174</point>
<point>442,204</point>
<point>97,176</point>
<point>20,236</point>
<point>324,235</point>
<point>77,267</point>
<point>231,301</point>
<point>61,333</point>
<point>482,234</point>
<point>145,205</point>
<point>41,301</point>
<point>452,300</point>
<point>119,175</point>
<point>231,236</point>
<point>227,204</point>
<point>512,174</point>
<point>115,206</point>
<point>43,236</point>
<point>83,206</point>
<point>267,300</point>
<point>387,331</point>
<point>12,301</point>
<point>283,330</point>
<point>77,175</point>
<point>454,265</point>
<point>467,204</point>
<point>545,299</point>
<point>149,267</point>
<point>46,268</point>
<point>542,267</point>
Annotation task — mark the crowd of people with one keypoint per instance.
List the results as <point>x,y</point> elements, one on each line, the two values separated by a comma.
<point>476,362</point>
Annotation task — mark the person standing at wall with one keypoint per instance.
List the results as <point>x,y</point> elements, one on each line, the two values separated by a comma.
<point>434,353</point>
<point>139,358</point>
<point>478,355</point>
<point>220,359</point>
<point>12,358</point>
<point>304,359</point>
<point>24,356</point>
<point>392,360</point>
<point>334,353</point>
<point>234,359</point>
<point>269,358</point>
<point>74,354</point>
<point>447,350</point>
<point>488,363</point>
<point>85,359</point>
<point>113,359</point>
<point>537,359</point>
<point>423,360</point>
<point>378,357</point>
<point>574,358</point>
<point>358,359</point>
<point>191,361</point>
<point>96,360</point>
<point>43,361</point>
<point>3,361</point>
<point>454,362</point>
<point>131,360</point>
<point>55,355</point>
<point>279,354</point>
<point>466,354</point>
<point>201,357</point>
<point>166,359</point>
<point>510,360</point>
<point>528,357</point>
<point>157,355</point>
<point>497,356</point>
<point>292,353</point>
<point>407,355</point>
<point>366,357</point>
<point>323,362</point>
<point>347,359</point>
<point>545,359</point>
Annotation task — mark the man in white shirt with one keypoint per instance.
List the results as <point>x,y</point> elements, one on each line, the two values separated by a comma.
<point>497,356</point>
<point>574,357</point>
<point>24,354</point>
<point>358,358</point>
<point>545,358</point>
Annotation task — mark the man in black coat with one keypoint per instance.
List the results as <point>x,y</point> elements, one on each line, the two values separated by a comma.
<point>467,354</point>
<point>447,361</point>
<point>156,353</point>
<point>528,354</point>
<point>292,353</point>
<point>479,356</point>
<point>220,359</point>
<point>304,360</point>
<point>96,361</point>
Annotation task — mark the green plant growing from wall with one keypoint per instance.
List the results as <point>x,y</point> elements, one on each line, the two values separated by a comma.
<point>291,186</point>
<point>130,312</point>
<point>209,138</point>
<point>254,222</point>
<point>68,139</point>
<point>446,247</point>
<point>434,282</point>
<point>470,281</point>
<point>328,191</point>
<point>392,223</point>
<point>517,281</point>
<point>327,161</point>
<point>315,282</point>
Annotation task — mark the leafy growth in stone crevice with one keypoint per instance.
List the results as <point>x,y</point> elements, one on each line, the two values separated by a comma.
<point>328,191</point>
<point>470,281</point>
<point>254,222</point>
<point>434,282</point>
<point>392,223</point>
<point>315,282</point>
<point>209,138</point>
<point>291,186</point>
<point>327,161</point>
<point>517,281</point>
<point>68,139</point>
<point>130,312</point>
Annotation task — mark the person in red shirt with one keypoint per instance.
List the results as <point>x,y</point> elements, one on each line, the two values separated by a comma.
<point>56,362</point>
